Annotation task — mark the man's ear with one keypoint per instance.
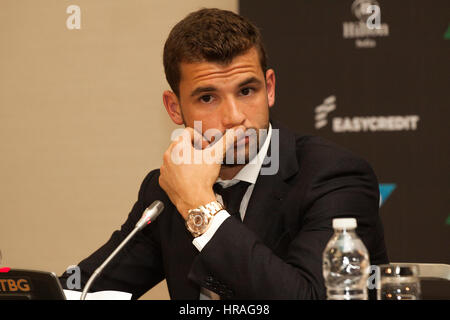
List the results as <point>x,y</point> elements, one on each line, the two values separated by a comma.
<point>173,108</point>
<point>270,86</point>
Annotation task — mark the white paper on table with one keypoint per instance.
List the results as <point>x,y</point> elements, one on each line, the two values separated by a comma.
<point>99,295</point>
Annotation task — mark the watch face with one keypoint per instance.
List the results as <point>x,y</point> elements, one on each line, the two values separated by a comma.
<point>197,222</point>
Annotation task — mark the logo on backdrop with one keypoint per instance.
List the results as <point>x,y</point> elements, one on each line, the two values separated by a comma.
<point>386,190</point>
<point>368,26</point>
<point>362,123</point>
<point>447,34</point>
<point>323,110</point>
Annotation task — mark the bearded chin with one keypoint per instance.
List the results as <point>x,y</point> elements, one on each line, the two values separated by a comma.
<point>230,165</point>
<point>240,155</point>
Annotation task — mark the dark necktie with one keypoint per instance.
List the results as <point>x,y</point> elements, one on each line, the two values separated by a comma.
<point>232,196</point>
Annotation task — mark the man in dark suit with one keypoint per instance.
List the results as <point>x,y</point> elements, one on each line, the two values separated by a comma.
<point>234,230</point>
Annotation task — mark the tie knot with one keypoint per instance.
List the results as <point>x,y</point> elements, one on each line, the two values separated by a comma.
<point>232,196</point>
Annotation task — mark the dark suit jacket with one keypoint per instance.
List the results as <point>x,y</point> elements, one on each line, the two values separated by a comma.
<point>275,253</point>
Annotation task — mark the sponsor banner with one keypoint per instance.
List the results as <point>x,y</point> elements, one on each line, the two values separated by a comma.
<point>372,76</point>
<point>362,123</point>
<point>368,26</point>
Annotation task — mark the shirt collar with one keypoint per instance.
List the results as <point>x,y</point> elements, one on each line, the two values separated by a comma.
<point>250,171</point>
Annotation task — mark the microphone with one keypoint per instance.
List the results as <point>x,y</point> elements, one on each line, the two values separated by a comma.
<point>149,215</point>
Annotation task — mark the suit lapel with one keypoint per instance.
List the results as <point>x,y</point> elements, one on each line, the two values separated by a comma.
<point>264,203</point>
<point>270,190</point>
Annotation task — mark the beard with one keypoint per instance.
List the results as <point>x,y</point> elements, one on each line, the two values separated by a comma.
<point>245,150</point>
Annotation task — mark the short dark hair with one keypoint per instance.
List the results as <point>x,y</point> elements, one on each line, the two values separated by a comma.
<point>211,35</point>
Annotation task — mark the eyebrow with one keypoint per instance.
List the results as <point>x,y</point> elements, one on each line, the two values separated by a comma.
<point>200,90</point>
<point>250,81</point>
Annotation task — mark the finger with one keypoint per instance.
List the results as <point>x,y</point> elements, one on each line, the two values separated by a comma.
<point>175,153</point>
<point>228,140</point>
<point>197,139</point>
<point>184,136</point>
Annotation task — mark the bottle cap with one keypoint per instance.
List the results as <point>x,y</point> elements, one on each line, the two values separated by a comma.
<point>344,223</point>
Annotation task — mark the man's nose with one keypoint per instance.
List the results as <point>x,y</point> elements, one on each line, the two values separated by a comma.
<point>232,114</point>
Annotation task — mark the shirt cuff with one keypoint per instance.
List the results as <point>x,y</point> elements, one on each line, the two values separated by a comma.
<point>216,222</point>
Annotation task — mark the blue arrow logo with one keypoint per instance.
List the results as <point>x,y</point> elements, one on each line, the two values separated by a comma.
<point>385,191</point>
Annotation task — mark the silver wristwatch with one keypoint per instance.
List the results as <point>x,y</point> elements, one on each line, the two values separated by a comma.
<point>200,218</point>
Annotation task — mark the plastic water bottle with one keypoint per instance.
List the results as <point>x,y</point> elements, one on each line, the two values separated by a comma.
<point>346,264</point>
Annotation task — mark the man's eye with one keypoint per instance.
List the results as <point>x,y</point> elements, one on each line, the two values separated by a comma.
<point>246,91</point>
<point>206,98</point>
